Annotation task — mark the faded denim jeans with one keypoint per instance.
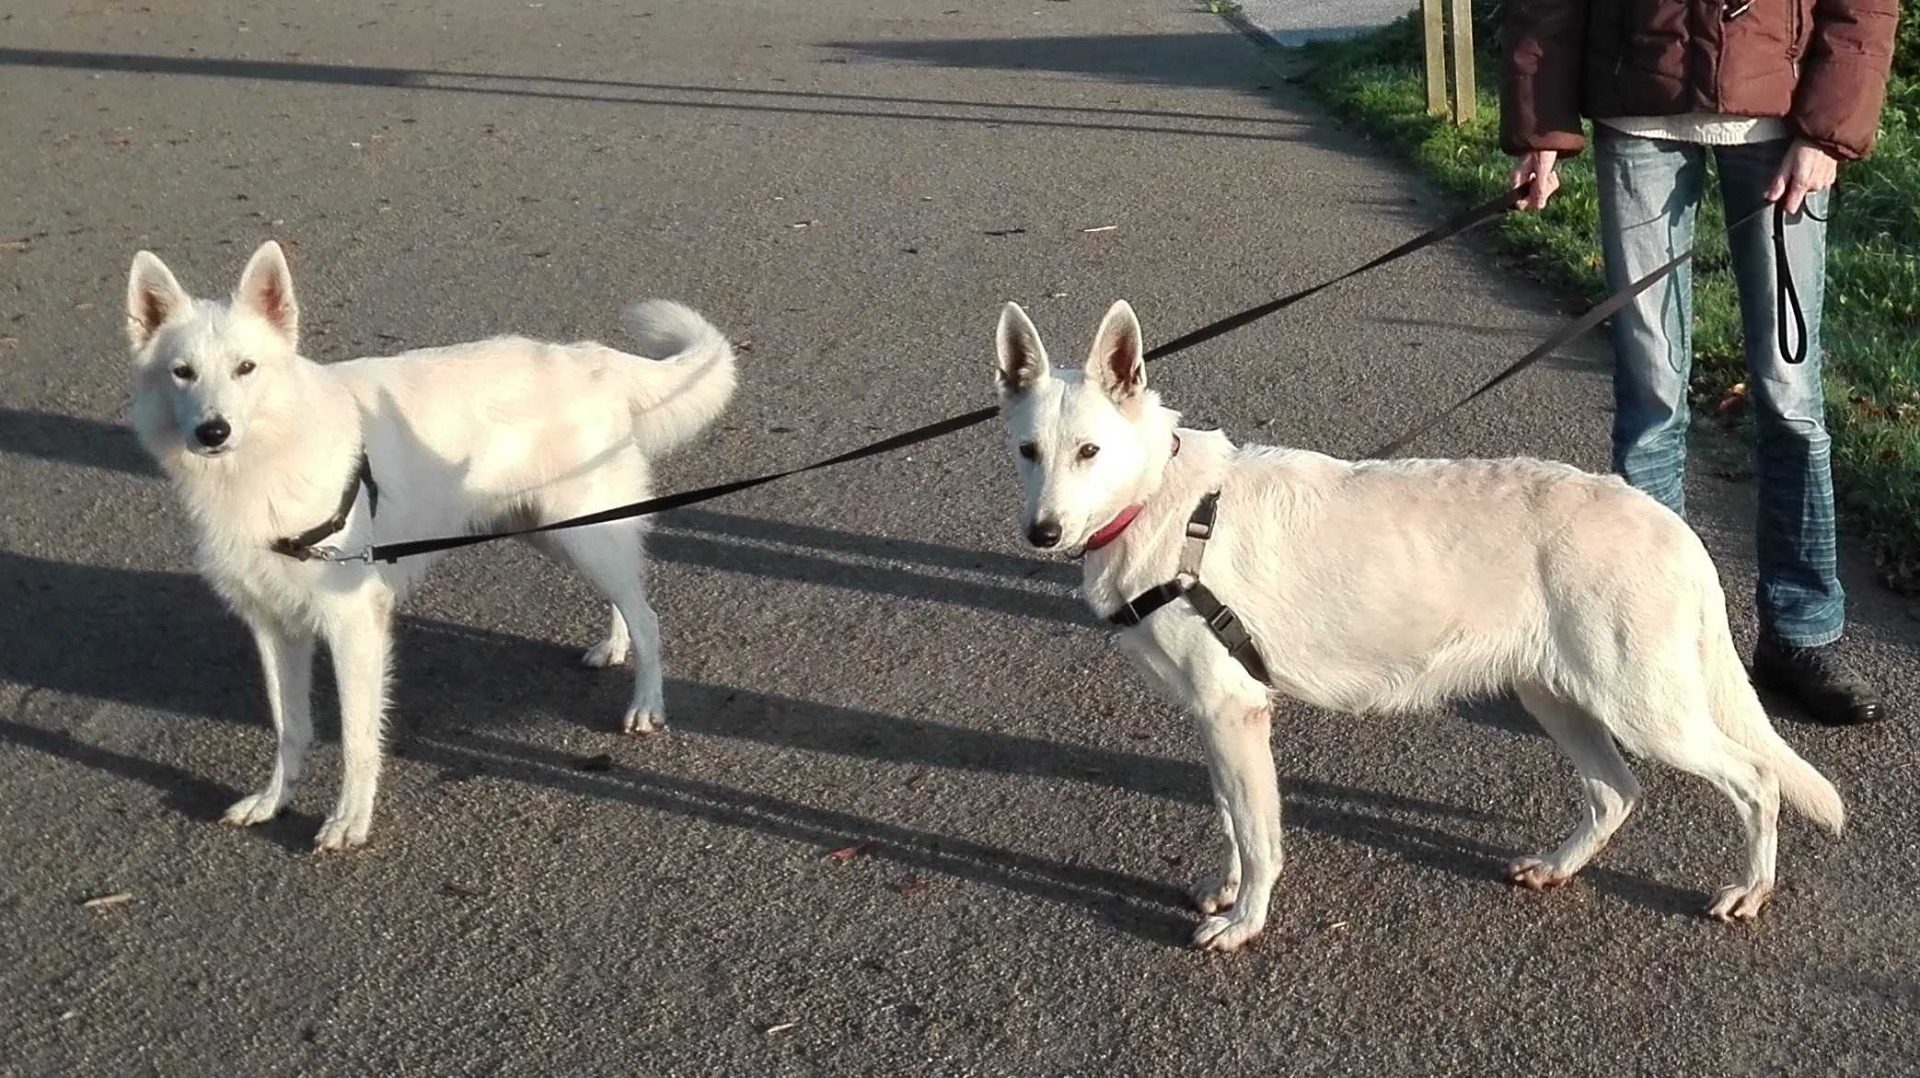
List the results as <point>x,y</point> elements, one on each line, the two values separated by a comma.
<point>1649,191</point>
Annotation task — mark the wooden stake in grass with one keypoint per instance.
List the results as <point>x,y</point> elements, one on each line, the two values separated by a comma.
<point>1433,24</point>
<point>1461,38</point>
<point>1447,30</point>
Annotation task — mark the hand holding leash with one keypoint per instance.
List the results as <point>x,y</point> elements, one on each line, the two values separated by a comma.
<point>1536,172</point>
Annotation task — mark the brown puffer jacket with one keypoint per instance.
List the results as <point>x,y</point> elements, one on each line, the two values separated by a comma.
<point>1821,64</point>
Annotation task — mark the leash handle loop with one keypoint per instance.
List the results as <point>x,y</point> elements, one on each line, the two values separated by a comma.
<point>1786,296</point>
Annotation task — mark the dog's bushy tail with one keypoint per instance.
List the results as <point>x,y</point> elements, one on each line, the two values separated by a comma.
<point>687,376</point>
<point>1739,714</point>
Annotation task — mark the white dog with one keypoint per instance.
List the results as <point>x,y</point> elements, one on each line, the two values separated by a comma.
<point>270,449</point>
<point>1388,585</point>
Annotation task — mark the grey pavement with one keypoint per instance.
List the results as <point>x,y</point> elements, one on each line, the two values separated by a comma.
<point>862,656</point>
<point>1295,22</point>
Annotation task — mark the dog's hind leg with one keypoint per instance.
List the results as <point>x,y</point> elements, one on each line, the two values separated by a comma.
<point>1701,749</point>
<point>286,659</point>
<point>1611,790</point>
<point>359,634</point>
<point>609,557</point>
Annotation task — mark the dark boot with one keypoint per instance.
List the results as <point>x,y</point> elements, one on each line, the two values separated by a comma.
<point>1818,680</point>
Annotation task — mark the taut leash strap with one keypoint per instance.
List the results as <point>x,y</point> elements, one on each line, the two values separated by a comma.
<point>1606,309</point>
<point>1453,226</point>
<point>1446,230</point>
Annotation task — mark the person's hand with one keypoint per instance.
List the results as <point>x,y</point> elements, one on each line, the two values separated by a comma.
<point>1807,168</point>
<point>1536,171</point>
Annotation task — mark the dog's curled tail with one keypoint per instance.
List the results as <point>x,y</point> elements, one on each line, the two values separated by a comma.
<point>1738,712</point>
<point>685,378</point>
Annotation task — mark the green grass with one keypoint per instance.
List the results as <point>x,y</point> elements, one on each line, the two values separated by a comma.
<point>1872,331</point>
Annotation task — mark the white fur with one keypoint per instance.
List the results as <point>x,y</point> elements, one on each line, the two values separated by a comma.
<point>494,433</point>
<point>1379,586</point>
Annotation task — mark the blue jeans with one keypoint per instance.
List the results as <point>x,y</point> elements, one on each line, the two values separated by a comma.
<point>1649,191</point>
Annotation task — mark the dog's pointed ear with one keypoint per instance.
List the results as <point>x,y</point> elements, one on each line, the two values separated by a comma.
<point>153,296</point>
<point>1117,364</point>
<point>1023,359</point>
<point>266,289</point>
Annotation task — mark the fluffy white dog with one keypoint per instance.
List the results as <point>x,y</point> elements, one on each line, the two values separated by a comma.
<point>275,457</point>
<point>1385,586</point>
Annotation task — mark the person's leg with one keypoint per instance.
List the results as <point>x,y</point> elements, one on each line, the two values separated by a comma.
<point>1799,600</point>
<point>1649,191</point>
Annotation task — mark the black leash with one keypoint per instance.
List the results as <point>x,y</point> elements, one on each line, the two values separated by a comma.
<point>389,552</point>
<point>1453,226</point>
<point>1446,230</point>
<point>1786,297</point>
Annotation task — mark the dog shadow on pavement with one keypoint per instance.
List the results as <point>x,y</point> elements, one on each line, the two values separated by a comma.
<point>899,568</point>
<point>90,632</point>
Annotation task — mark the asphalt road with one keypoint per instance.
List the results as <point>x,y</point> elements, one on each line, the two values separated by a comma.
<point>866,656</point>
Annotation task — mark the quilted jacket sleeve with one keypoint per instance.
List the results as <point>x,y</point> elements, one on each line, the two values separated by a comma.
<point>1843,76</point>
<point>1541,74</point>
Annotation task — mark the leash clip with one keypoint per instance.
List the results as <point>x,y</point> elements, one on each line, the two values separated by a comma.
<point>336,557</point>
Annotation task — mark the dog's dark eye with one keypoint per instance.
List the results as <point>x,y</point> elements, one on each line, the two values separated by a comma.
<point>245,368</point>
<point>1029,450</point>
<point>183,372</point>
<point>1089,451</point>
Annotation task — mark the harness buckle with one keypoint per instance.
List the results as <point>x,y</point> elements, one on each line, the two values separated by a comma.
<point>336,557</point>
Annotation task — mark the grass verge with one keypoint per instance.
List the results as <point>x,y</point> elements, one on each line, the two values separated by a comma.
<point>1872,330</point>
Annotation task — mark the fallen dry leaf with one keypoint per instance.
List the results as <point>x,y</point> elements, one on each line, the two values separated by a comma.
<point>102,902</point>
<point>1102,228</point>
<point>858,849</point>
<point>911,886</point>
<point>1735,399</point>
<point>781,1028</point>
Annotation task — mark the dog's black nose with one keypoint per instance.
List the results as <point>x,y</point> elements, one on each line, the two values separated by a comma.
<point>215,431</point>
<point>1044,533</point>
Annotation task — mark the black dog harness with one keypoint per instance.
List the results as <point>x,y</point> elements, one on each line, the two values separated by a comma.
<point>1225,624</point>
<point>305,546</point>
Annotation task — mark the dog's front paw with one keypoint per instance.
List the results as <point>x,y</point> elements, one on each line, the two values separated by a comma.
<point>341,833</point>
<point>255,809</point>
<point>1227,933</point>
<point>1739,902</point>
<point>642,722</point>
<point>1214,894</point>
<point>1535,874</point>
